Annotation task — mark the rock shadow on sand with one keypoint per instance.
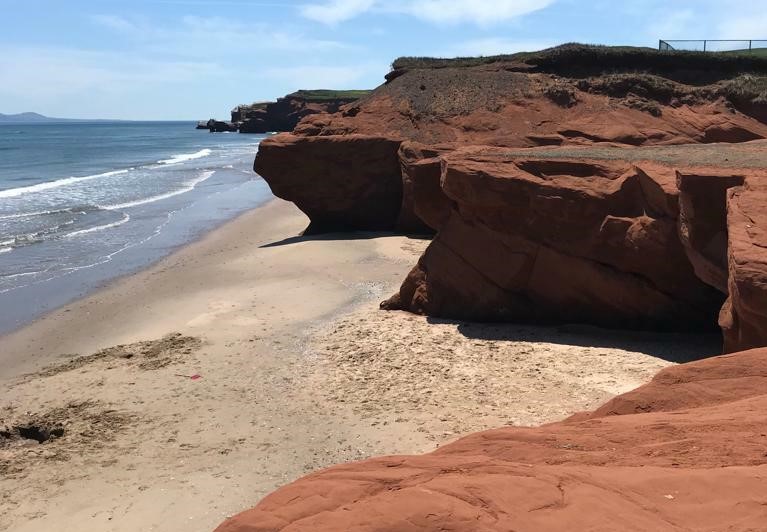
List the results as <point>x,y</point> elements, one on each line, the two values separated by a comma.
<point>335,236</point>
<point>678,348</point>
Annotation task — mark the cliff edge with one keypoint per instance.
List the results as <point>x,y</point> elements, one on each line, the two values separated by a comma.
<point>578,184</point>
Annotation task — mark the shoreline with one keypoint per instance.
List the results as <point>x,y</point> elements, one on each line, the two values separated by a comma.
<point>235,308</point>
<point>70,230</point>
<point>295,369</point>
<point>111,283</point>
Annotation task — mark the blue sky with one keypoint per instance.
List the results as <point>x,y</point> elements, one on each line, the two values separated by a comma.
<point>192,59</point>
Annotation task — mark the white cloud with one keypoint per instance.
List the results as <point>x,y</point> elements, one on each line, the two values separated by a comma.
<point>196,37</point>
<point>115,23</point>
<point>50,71</point>
<point>497,46</point>
<point>480,12</point>
<point>67,81</point>
<point>483,13</point>
<point>335,11</point>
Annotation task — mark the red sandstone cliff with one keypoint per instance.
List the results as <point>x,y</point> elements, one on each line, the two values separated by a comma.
<point>562,185</point>
<point>582,236</point>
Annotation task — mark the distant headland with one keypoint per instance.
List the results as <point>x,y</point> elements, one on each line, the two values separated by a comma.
<point>283,114</point>
<point>37,118</point>
<point>30,118</point>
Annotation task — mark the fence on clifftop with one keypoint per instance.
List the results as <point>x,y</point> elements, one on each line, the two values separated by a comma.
<point>756,46</point>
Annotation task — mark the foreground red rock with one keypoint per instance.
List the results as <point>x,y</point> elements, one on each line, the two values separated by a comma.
<point>686,452</point>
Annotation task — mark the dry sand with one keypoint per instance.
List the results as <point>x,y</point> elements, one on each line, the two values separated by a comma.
<point>297,370</point>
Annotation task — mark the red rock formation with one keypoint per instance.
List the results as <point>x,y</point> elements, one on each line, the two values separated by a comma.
<point>744,315</point>
<point>350,182</point>
<point>551,234</point>
<point>286,112</point>
<point>684,452</point>
<point>490,105</point>
<point>576,240</point>
<point>703,223</point>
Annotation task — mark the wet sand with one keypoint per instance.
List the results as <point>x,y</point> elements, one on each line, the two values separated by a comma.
<point>182,394</point>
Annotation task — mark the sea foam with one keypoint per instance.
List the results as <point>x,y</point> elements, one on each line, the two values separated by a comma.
<point>125,219</point>
<point>183,157</point>
<point>188,186</point>
<point>21,191</point>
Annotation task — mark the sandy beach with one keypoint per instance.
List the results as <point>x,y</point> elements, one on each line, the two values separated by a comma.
<point>181,395</point>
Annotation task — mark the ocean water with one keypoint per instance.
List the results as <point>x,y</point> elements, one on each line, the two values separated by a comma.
<point>83,203</point>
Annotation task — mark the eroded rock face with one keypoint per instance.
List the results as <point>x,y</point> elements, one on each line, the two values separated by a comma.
<point>422,195</point>
<point>744,316</point>
<point>684,452</point>
<point>493,106</point>
<point>608,242</point>
<point>572,240</point>
<point>552,198</point>
<point>341,183</point>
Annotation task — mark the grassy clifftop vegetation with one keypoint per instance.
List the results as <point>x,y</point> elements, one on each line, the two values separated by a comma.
<point>588,59</point>
<point>320,95</point>
<point>626,72</point>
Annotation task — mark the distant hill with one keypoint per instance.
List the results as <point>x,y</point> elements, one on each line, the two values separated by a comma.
<point>37,118</point>
<point>30,118</point>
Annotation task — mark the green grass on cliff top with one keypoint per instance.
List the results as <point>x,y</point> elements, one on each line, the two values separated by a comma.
<point>759,52</point>
<point>573,56</point>
<point>318,95</point>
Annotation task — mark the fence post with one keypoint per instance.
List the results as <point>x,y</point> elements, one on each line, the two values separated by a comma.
<point>749,45</point>
<point>704,45</point>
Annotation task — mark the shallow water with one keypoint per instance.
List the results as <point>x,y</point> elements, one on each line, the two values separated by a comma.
<point>82,203</point>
